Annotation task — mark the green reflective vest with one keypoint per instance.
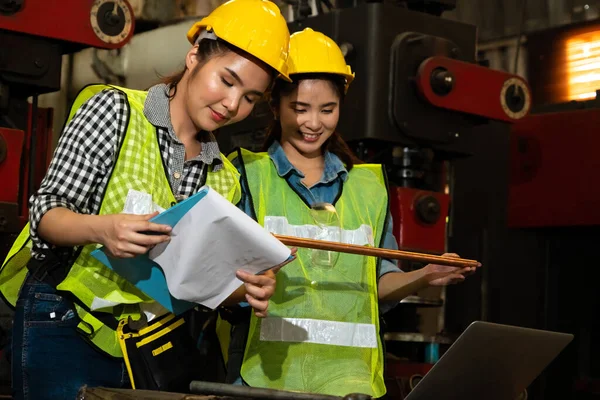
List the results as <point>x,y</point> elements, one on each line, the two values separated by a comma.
<point>139,166</point>
<point>322,332</point>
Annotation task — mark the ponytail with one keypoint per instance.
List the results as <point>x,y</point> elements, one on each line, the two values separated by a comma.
<point>338,146</point>
<point>273,135</point>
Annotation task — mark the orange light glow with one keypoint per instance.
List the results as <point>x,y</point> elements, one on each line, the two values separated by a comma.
<point>583,65</point>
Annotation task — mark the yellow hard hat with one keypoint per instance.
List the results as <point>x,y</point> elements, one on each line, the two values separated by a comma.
<point>313,52</point>
<point>255,26</point>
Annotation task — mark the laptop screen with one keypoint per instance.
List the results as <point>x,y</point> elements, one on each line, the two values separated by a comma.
<point>490,361</point>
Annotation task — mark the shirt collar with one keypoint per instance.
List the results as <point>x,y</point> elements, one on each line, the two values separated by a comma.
<point>334,167</point>
<point>156,110</point>
<point>156,107</point>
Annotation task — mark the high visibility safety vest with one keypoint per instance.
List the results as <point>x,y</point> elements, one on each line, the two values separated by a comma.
<point>139,166</point>
<point>322,330</point>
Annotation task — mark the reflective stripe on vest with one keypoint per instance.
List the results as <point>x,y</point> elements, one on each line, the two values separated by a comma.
<point>310,330</point>
<point>322,332</point>
<point>361,236</point>
<point>139,166</point>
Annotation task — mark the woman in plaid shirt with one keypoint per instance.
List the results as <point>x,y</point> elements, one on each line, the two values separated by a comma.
<point>119,139</point>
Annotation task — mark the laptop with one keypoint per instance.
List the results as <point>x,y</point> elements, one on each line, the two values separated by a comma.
<point>490,361</point>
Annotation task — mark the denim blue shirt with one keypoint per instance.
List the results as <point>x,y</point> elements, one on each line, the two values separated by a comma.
<point>325,190</point>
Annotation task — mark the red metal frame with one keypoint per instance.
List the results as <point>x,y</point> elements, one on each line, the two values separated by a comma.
<point>398,376</point>
<point>67,20</point>
<point>14,170</point>
<point>554,167</point>
<point>13,139</point>
<point>43,155</point>
<point>477,90</point>
<point>410,231</point>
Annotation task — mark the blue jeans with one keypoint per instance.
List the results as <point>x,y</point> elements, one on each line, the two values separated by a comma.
<point>50,359</point>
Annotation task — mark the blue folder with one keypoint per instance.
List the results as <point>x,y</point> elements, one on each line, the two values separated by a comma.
<point>144,273</point>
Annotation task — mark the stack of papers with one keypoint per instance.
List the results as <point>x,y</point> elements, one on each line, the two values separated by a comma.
<point>210,241</point>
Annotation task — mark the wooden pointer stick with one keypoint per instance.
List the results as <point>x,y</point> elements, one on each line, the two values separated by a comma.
<point>375,251</point>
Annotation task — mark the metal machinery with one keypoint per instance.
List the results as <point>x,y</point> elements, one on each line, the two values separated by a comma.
<point>34,35</point>
<point>553,213</point>
<point>440,123</point>
<point>47,29</point>
<point>553,216</point>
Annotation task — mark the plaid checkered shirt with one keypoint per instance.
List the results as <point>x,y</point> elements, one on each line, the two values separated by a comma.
<point>87,152</point>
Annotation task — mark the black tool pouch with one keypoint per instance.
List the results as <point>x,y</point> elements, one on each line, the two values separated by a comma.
<point>53,267</point>
<point>161,356</point>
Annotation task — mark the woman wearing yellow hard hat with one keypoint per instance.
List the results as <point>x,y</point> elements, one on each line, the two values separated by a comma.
<point>322,331</point>
<point>119,143</point>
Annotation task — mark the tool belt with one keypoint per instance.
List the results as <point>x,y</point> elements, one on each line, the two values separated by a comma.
<point>161,355</point>
<point>164,354</point>
<point>239,319</point>
<point>53,268</point>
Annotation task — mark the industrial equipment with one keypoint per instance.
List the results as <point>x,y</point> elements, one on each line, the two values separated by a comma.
<point>47,30</point>
<point>553,212</point>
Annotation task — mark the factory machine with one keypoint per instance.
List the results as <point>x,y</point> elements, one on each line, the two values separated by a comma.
<point>33,38</point>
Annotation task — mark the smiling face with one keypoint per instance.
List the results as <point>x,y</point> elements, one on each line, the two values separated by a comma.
<point>224,89</point>
<point>308,116</point>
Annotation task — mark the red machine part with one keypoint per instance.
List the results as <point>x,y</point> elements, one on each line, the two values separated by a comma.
<point>14,169</point>
<point>85,22</point>
<point>43,155</point>
<point>473,89</point>
<point>48,29</point>
<point>11,149</point>
<point>553,166</point>
<point>419,219</point>
<point>402,376</point>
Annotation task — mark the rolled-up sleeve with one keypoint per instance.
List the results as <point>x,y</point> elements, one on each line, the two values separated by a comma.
<point>84,157</point>
<point>389,242</point>
<point>388,265</point>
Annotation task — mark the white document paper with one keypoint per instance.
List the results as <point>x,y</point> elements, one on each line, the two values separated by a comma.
<point>208,245</point>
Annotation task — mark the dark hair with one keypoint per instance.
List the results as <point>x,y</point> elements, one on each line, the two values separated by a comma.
<point>335,144</point>
<point>207,49</point>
